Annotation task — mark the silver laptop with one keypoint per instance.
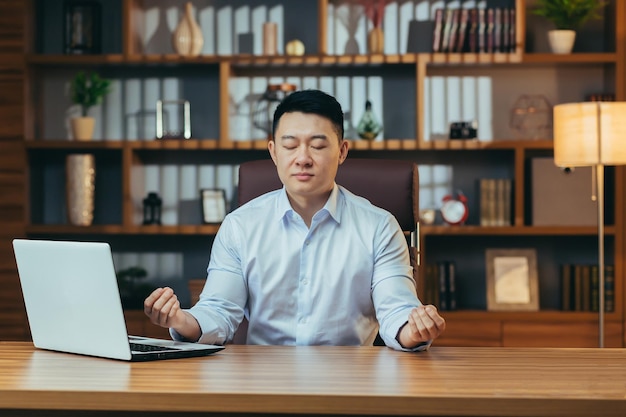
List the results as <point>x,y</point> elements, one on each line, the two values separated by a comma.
<point>73,303</point>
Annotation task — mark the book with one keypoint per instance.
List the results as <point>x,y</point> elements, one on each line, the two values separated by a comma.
<point>472,31</point>
<point>462,31</point>
<point>566,289</point>
<point>443,286</point>
<point>594,302</point>
<point>447,28</point>
<point>609,288</point>
<point>438,30</point>
<point>451,277</point>
<point>454,30</point>
<point>447,285</point>
<point>585,273</point>
<point>578,288</point>
<point>512,31</point>
<point>482,26</point>
<point>497,30</point>
<point>489,31</point>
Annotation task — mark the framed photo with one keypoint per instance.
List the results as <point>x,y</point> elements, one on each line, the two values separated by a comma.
<point>213,205</point>
<point>512,282</point>
<point>82,27</point>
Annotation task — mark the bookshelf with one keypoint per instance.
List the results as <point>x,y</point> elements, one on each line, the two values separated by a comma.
<point>138,57</point>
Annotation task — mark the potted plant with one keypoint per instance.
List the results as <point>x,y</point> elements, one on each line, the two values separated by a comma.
<point>132,291</point>
<point>87,90</point>
<point>567,17</point>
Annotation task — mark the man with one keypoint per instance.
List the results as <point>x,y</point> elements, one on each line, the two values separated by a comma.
<point>309,264</point>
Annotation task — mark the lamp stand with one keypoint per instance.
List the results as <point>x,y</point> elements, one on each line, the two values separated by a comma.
<point>599,171</point>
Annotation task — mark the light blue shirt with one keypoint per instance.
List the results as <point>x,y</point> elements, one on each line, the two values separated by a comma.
<point>330,284</point>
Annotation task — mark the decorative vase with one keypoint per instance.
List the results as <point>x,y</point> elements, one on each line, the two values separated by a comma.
<point>80,175</point>
<point>376,41</point>
<point>561,41</point>
<point>82,127</point>
<point>368,127</point>
<point>187,37</point>
<point>270,34</point>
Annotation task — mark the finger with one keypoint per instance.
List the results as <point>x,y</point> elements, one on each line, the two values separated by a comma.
<point>150,299</point>
<point>439,321</point>
<point>160,301</point>
<point>168,309</point>
<point>424,325</point>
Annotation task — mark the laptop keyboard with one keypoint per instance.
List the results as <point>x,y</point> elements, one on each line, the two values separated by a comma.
<point>140,347</point>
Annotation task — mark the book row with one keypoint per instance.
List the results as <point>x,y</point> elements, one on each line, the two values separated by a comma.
<point>580,287</point>
<point>475,30</point>
<point>439,285</point>
<point>495,201</point>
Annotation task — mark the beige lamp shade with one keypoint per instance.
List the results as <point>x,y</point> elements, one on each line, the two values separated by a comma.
<point>592,133</point>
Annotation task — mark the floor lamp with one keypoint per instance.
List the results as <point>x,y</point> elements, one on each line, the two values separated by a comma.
<point>592,134</point>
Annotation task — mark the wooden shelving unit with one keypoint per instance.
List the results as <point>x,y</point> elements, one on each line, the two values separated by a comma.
<point>33,152</point>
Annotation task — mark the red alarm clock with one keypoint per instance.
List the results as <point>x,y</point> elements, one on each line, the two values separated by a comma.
<point>454,209</point>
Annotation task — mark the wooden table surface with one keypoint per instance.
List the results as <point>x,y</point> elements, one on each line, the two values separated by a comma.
<point>322,380</point>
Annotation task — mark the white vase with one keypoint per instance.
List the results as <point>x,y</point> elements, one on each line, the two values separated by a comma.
<point>561,41</point>
<point>187,38</point>
<point>80,175</point>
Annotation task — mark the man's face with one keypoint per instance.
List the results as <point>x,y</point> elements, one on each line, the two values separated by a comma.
<point>307,153</point>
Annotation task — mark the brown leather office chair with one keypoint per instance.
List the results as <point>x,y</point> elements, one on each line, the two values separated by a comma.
<point>390,184</point>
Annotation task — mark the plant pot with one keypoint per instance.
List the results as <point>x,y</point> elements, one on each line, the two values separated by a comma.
<point>561,41</point>
<point>80,174</point>
<point>82,127</point>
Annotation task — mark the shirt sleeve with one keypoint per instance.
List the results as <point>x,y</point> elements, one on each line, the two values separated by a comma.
<point>393,288</point>
<point>220,308</point>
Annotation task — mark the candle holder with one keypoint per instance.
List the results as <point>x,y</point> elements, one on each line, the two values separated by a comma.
<point>152,209</point>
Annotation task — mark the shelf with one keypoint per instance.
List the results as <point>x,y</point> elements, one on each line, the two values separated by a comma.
<point>576,58</point>
<point>323,60</point>
<point>214,144</point>
<point>530,316</point>
<point>122,230</point>
<point>427,230</point>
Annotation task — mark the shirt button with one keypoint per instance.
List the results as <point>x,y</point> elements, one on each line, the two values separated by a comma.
<point>303,320</point>
<point>305,281</point>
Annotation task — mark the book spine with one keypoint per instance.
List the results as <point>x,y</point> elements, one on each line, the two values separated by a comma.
<point>594,303</point>
<point>609,289</point>
<point>443,286</point>
<point>566,290</point>
<point>586,284</point>
<point>451,277</point>
<point>438,30</point>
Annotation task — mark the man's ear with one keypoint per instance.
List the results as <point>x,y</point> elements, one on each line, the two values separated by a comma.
<point>343,151</point>
<point>271,147</point>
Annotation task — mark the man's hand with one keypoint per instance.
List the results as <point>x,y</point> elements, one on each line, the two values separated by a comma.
<point>163,308</point>
<point>424,324</point>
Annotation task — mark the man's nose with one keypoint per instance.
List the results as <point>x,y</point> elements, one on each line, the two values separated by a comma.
<point>304,155</point>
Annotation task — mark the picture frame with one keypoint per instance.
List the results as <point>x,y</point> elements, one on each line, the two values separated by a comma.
<point>512,280</point>
<point>213,202</point>
<point>82,27</point>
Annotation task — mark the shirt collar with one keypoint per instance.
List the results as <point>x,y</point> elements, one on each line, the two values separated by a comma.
<point>283,207</point>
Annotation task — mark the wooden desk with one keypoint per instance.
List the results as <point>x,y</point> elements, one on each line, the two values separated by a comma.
<point>319,380</point>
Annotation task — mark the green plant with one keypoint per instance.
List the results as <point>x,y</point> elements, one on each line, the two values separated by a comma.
<point>568,14</point>
<point>88,90</point>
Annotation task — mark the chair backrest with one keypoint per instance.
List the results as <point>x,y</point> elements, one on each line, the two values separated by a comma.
<point>390,184</point>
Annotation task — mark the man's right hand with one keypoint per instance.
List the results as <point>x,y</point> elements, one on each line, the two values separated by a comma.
<point>163,308</point>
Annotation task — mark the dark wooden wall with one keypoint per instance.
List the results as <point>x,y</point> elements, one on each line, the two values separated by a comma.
<point>13,186</point>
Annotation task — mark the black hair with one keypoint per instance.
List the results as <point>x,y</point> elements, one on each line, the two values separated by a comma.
<point>314,102</point>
